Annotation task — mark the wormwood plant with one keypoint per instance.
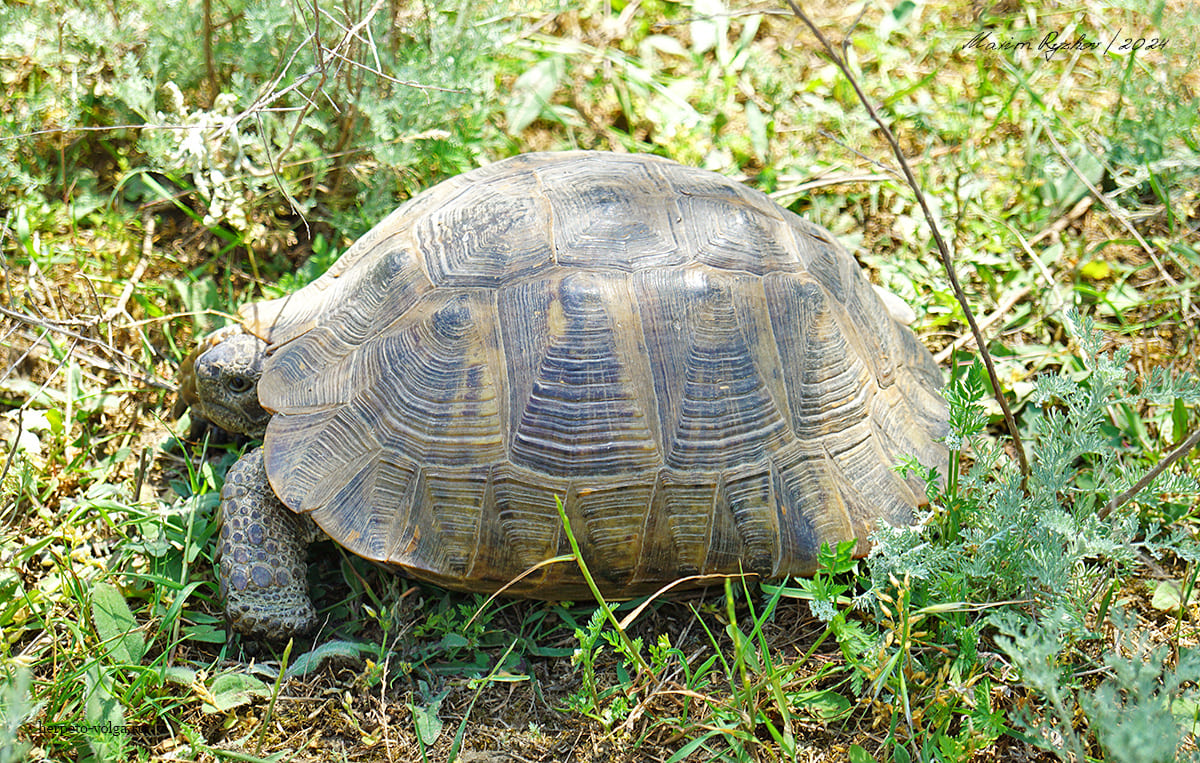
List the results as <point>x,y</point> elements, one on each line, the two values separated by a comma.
<point>1042,566</point>
<point>254,109</point>
<point>987,540</point>
<point>1141,711</point>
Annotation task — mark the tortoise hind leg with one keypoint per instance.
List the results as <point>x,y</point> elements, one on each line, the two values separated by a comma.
<point>261,565</point>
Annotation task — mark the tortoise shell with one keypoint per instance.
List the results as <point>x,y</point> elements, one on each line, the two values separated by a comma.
<point>707,382</point>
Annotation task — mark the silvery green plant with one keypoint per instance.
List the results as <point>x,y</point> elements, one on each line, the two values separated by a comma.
<point>1053,542</point>
<point>1141,712</point>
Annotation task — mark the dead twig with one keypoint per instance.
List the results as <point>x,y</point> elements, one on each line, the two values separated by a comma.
<point>942,249</point>
<point>1112,208</point>
<point>1120,500</point>
<point>77,339</point>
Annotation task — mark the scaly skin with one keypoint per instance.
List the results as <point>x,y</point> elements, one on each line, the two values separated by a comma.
<point>261,547</point>
<point>261,556</point>
<point>219,382</point>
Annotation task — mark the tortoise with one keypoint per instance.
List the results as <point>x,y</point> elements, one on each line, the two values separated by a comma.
<point>707,382</point>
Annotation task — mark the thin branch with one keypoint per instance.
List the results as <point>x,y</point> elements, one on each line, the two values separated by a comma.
<point>77,339</point>
<point>942,248</point>
<point>8,462</point>
<point>209,65</point>
<point>94,128</point>
<point>337,53</point>
<point>1112,208</point>
<point>1184,448</point>
<point>283,191</point>
<point>45,323</point>
<point>1000,311</point>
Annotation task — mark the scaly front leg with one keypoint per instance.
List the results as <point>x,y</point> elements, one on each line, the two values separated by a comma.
<point>261,557</point>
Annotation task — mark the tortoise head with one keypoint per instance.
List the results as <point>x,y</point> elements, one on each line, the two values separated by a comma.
<point>219,382</point>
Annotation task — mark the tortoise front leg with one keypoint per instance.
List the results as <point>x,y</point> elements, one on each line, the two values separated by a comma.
<point>261,556</point>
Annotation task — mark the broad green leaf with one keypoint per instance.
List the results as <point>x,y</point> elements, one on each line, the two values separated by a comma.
<point>177,674</point>
<point>55,419</point>
<point>310,661</point>
<point>209,634</point>
<point>824,704</point>
<point>1167,596</point>
<point>1179,419</point>
<point>230,690</point>
<point>859,755</point>
<point>116,626</point>
<point>104,713</point>
<point>429,725</point>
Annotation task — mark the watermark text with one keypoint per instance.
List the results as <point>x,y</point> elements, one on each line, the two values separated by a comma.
<point>78,727</point>
<point>1053,44</point>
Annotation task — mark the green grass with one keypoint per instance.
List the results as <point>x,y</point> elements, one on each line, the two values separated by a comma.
<point>148,187</point>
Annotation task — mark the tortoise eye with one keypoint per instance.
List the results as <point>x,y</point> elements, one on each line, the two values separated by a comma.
<point>239,384</point>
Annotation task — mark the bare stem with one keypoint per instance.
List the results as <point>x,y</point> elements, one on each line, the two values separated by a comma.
<point>942,248</point>
<point>210,67</point>
<point>1184,448</point>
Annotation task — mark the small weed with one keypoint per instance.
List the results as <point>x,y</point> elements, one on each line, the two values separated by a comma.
<point>605,705</point>
<point>1143,709</point>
